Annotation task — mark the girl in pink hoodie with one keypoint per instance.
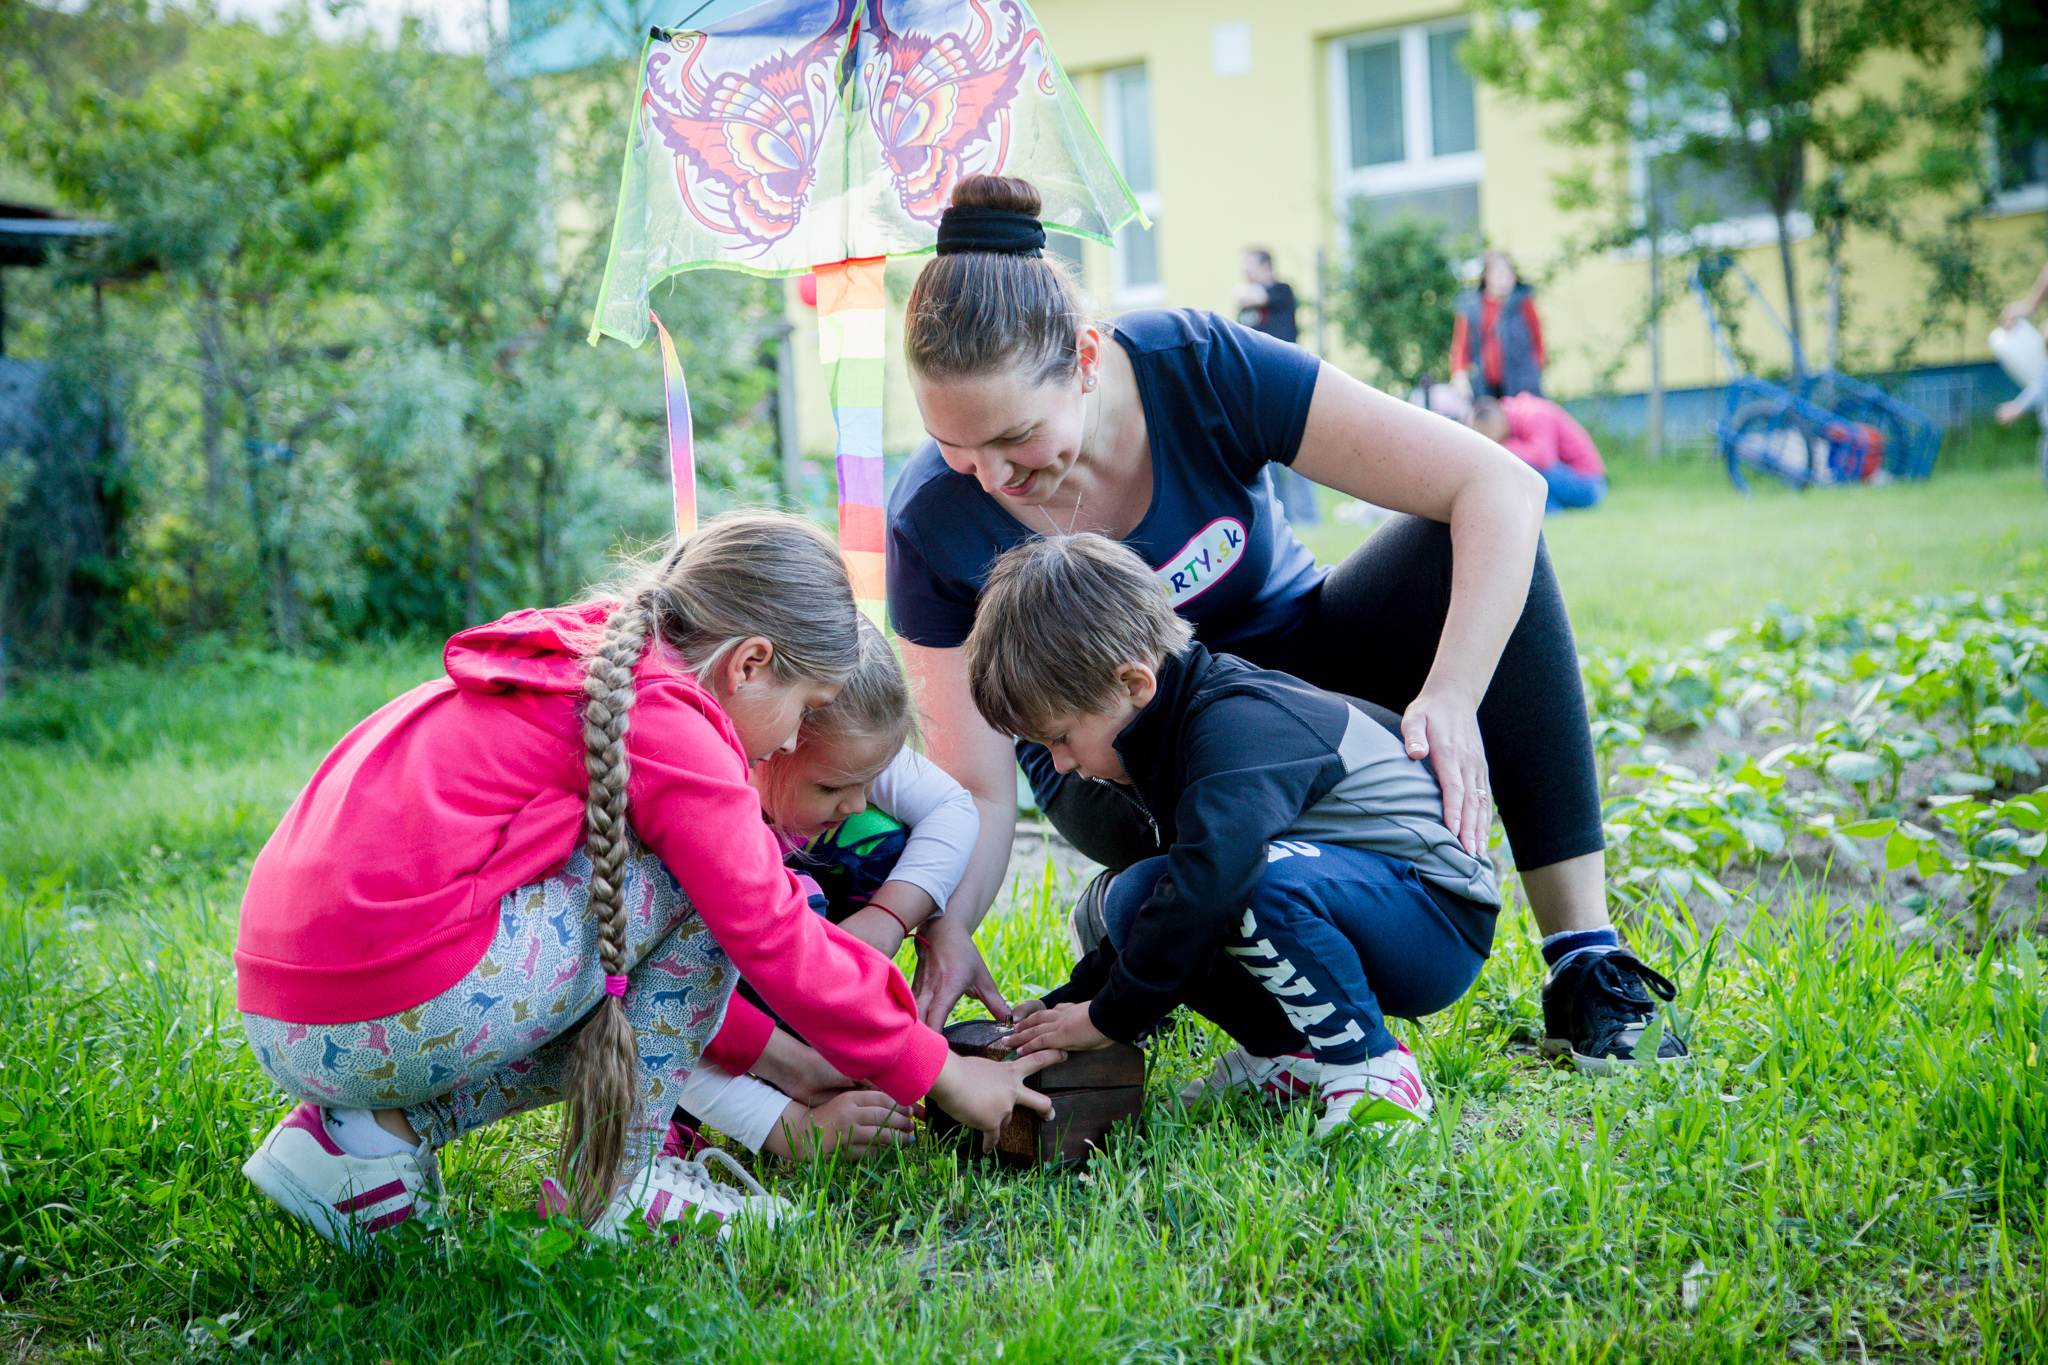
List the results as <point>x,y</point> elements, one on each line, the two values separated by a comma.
<point>538,879</point>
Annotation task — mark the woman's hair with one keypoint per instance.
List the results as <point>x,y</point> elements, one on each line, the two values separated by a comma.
<point>872,708</point>
<point>976,312</point>
<point>1058,617</point>
<point>738,576</point>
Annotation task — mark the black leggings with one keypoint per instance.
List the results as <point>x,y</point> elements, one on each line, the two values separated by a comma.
<point>1372,632</point>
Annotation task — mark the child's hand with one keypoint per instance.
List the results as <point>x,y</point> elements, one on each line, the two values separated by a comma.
<point>1066,1027</point>
<point>2008,413</point>
<point>855,1122</point>
<point>799,1070</point>
<point>1024,1007</point>
<point>982,1093</point>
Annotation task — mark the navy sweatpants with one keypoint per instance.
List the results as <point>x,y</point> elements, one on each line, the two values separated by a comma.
<point>1338,938</point>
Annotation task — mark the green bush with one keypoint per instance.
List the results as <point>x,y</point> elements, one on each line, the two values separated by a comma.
<point>1397,295</point>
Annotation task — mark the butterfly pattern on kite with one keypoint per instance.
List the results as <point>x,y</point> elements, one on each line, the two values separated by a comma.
<point>746,143</point>
<point>940,103</point>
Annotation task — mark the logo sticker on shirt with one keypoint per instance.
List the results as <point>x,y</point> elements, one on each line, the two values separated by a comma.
<point>1213,552</point>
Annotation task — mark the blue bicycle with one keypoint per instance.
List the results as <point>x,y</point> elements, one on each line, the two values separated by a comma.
<point>1826,429</point>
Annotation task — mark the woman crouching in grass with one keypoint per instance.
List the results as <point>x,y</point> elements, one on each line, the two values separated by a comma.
<point>539,878</point>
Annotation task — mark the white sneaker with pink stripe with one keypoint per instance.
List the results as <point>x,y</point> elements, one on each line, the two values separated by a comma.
<point>1277,1080</point>
<point>672,1190</point>
<point>1386,1089</point>
<point>343,1198</point>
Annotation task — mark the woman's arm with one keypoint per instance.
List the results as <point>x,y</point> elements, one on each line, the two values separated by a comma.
<point>2028,303</point>
<point>1379,449</point>
<point>979,759</point>
<point>940,818</point>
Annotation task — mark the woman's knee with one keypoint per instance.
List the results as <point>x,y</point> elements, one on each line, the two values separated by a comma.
<point>1127,894</point>
<point>1100,824</point>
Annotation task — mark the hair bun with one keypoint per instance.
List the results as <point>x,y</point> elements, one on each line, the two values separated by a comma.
<point>997,192</point>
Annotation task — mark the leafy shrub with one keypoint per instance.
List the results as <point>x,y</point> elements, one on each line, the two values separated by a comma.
<point>1395,300</point>
<point>1868,696</point>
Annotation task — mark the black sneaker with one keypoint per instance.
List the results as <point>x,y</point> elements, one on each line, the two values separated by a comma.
<point>1595,1010</point>
<point>1088,928</point>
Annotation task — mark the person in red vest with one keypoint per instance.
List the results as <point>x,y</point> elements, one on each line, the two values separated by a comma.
<point>1497,333</point>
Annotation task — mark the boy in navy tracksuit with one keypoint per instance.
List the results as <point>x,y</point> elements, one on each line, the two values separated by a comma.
<point>1308,885</point>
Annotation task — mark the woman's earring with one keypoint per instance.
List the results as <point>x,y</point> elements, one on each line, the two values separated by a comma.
<point>1088,383</point>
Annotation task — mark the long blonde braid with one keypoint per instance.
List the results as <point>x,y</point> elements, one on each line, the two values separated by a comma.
<point>743,575</point>
<point>604,1071</point>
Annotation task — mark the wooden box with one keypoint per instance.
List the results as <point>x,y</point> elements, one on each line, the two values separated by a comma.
<point>1091,1092</point>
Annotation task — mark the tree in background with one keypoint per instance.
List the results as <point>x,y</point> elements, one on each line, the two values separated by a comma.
<point>1396,295</point>
<point>1748,90</point>
<point>355,393</point>
<point>244,187</point>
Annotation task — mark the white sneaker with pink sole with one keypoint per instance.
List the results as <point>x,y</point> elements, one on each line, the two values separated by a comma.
<point>1278,1080</point>
<point>1386,1089</point>
<point>344,1198</point>
<point>672,1190</point>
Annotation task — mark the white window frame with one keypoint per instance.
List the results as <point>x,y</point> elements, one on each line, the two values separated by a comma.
<point>2027,198</point>
<point>1122,293</point>
<point>1419,168</point>
<point>1730,234</point>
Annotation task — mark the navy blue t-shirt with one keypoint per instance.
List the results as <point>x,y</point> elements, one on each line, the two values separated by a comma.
<point>1221,402</point>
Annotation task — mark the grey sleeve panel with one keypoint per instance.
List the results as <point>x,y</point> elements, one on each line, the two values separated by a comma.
<point>1390,803</point>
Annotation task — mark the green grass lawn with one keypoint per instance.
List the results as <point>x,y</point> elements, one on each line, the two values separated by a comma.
<point>1675,552</point>
<point>1856,1167</point>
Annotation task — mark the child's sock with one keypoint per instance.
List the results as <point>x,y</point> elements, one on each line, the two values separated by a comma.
<point>1572,942</point>
<point>357,1132</point>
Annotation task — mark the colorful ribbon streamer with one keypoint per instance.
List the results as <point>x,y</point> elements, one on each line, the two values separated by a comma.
<point>682,451</point>
<point>850,345</point>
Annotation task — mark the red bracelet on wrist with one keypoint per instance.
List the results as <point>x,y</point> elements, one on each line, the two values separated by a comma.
<point>908,932</point>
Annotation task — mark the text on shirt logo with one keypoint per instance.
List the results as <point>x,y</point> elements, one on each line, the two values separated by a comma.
<point>1212,552</point>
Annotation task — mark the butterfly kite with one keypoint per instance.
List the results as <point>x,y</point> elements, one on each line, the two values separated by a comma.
<point>824,136</point>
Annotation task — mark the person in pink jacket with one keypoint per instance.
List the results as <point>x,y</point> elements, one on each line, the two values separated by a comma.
<point>538,879</point>
<point>1550,441</point>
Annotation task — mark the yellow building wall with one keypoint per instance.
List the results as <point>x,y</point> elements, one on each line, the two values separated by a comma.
<point>1246,160</point>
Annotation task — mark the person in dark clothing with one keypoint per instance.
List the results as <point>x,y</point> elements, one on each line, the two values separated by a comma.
<point>1157,429</point>
<point>1266,304</point>
<point>1305,843</point>
<point>1497,339</point>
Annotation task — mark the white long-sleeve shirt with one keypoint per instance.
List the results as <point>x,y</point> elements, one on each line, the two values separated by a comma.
<point>744,1108</point>
<point>940,816</point>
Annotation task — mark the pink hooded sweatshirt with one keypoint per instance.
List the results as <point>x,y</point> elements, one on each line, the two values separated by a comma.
<point>380,888</point>
<point>1544,434</point>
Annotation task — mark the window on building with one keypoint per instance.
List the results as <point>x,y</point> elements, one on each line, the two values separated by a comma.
<point>1065,248</point>
<point>1404,124</point>
<point>1127,126</point>
<point>1685,190</point>
<point>2016,123</point>
<point>1708,201</point>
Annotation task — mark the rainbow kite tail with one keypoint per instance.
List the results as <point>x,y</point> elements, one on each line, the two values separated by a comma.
<point>850,344</point>
<point>682,452</point>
